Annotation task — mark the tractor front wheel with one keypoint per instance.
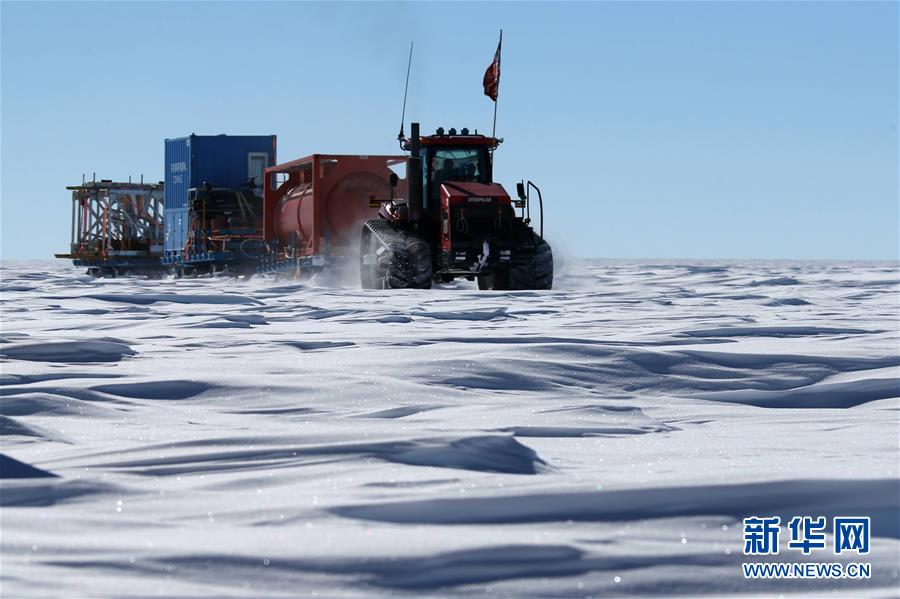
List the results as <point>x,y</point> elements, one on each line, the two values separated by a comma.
<point>537,271</point>
<point>368,261</point>
<point>393,258</point>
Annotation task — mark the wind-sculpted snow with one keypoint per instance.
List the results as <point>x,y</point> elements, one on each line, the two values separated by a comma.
<point>834,395</point>
<point>878,498</point>
<point>10,468</point>
<point>274,437</point>
<point>177,298</point>
<point>69,352</point>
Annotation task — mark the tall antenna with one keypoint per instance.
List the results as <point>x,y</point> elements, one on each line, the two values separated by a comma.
<point>405,91</point>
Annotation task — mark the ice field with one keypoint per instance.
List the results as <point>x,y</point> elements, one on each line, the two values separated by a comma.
<point>216,437</point>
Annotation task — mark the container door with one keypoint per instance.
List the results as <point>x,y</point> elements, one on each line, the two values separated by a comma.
<point>176,231</point>
<point>256,170</point>
<point>178,172</point>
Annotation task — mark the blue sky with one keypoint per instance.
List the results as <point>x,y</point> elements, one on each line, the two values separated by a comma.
<point>655,130</point>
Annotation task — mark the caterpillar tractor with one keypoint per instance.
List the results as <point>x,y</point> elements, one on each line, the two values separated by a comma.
<point>454,221</point>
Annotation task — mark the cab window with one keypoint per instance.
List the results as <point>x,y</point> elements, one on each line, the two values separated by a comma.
<point>457,164</point>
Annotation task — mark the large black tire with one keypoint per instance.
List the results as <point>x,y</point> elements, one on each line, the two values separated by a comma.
<point>368,267</point>
<point>401,259</point>
<point>537,271</point>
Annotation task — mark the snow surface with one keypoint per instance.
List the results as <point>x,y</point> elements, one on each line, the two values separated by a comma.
<point>275,438</point>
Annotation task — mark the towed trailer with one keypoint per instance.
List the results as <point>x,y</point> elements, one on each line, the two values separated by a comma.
<point>214,188</point>
<point>228,210</point>
<point>117,228</point>
<point>314,207</point>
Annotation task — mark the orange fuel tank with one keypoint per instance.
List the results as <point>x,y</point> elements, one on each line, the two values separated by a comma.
<point>318,204</point>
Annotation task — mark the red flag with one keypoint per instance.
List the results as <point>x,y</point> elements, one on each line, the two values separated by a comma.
<point>492,75</point>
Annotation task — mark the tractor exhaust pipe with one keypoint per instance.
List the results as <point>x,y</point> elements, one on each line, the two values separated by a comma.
<point>414,145</point>
<point>414,176</point>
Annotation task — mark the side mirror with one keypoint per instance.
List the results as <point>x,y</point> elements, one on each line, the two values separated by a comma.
<point>394,179</point>
<point>520,190</point>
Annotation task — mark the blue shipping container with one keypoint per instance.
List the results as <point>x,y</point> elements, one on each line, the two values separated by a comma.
<point>220,160</point>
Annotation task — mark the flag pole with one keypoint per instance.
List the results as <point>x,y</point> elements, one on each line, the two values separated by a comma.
<point>494,131</point>
<point>499,59</point>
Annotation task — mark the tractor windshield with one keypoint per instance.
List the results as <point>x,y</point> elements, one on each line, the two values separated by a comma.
<point>458,164</point>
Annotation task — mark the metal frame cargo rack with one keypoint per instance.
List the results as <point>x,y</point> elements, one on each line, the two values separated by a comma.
<point>117,227</point>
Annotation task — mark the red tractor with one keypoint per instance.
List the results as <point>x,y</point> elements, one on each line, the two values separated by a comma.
<point>455,222</point>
